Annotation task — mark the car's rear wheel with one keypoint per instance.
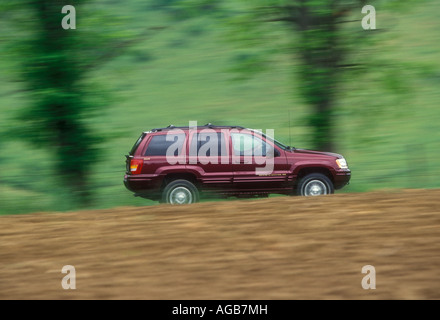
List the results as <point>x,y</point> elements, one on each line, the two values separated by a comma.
<point>180,192</point>
<point>315,184</point>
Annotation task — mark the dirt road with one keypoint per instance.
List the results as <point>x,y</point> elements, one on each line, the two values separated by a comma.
<point>276,248</point>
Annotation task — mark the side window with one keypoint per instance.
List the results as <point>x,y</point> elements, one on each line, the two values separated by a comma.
<point>208,141</point>
<point>136,145</point>
<point>244,144</point>
<point>159,145</point>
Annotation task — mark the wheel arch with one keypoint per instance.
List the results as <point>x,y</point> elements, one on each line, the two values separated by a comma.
<point>172,176</point>
<point>314,169</point>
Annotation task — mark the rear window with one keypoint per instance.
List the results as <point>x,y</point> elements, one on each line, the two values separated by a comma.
<point>138,142</point>
<point>159,145</point>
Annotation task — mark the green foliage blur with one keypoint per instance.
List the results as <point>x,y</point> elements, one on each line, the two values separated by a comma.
<point>150,63</point>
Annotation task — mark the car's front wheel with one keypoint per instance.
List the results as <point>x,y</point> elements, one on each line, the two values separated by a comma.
<point>315,184</point>
<point>180,192</point>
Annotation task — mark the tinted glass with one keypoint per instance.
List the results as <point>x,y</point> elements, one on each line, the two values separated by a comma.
<point>159,145</point>
<point>136,145</point>
<point>249,145</point>
<point>203,138</point>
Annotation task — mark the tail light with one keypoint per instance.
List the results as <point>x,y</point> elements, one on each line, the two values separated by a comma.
<point>136,166</point>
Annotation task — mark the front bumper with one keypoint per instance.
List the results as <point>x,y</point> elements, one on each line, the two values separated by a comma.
<point>342,178</point>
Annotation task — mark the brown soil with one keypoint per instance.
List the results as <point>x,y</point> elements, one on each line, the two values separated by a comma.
<point>279,248</point>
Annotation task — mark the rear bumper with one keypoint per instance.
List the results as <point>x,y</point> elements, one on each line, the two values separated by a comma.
<point>342,178</point>
<point>141,184</point>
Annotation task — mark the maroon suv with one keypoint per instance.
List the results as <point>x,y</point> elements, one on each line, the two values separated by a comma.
<point>177,164</point>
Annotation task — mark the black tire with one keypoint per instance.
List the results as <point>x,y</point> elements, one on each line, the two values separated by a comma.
<point>315,184</point>
<point>180,192</point>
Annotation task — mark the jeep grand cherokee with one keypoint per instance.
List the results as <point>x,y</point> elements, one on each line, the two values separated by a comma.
<point>177,164</point>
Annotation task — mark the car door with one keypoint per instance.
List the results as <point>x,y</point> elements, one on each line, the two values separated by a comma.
<point>258,164</point>
<point>209,155</point>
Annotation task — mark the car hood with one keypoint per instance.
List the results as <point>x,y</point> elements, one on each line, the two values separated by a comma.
<point>305,151</point>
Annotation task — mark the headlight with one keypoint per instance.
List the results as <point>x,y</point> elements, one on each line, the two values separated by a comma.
<point>342,163</point>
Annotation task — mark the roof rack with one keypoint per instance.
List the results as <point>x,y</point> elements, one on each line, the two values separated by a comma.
<point>208,125</point>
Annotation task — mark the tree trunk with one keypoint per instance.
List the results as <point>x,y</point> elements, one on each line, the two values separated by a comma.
<point>321,57</point>
<point>53,75</point>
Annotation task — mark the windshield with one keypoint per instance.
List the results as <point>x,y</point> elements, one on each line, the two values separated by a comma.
<point>276,142</point>
<point>281,145</point>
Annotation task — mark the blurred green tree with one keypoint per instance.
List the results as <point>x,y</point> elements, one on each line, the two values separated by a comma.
<point>53,75</point>
<point>56,66</point>
<point>322,50</point>
<point>328,41</point>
